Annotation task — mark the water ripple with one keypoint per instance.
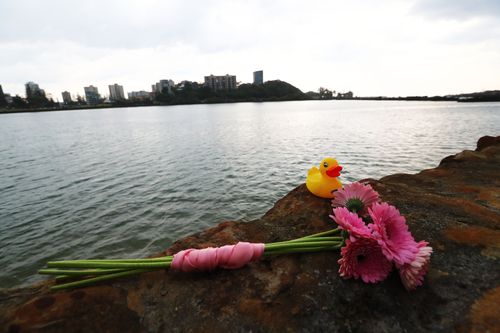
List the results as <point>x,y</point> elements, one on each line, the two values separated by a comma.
<point>129,182</point>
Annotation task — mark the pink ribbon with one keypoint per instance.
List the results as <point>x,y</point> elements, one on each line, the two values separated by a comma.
<point>228,256</point>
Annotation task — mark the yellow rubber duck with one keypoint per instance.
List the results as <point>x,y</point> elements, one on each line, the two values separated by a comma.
<point>323,182</point>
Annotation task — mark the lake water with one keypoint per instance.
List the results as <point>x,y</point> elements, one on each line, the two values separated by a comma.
<point>128,182</point>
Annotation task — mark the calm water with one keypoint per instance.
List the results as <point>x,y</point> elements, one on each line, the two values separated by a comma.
<point>128,182</point>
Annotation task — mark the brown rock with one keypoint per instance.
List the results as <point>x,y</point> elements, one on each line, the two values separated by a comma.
<point>484,313</point>
<point>455,207</point>
<point>487,141</point>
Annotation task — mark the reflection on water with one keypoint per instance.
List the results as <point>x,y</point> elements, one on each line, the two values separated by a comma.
<point>128,182</point>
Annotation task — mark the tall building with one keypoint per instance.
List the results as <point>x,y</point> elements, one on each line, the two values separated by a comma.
<point>258,77</point>
<point>66,96</point>
<point>8,98</point>
<point>162,86</point>
<point>139,95</point>
<point>92,95</point>
<point>221,82</point>
<point>3,100</point>
<point>33,90</point>
<point>116,92</point>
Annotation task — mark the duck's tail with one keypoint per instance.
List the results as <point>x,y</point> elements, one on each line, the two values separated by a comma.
<point>312,171</point>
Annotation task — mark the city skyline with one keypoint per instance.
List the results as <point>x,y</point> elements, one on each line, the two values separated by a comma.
<point>117,91</point>
<point>394,48</point>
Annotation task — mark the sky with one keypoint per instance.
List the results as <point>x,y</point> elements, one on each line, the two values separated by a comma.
<point>383,47</point>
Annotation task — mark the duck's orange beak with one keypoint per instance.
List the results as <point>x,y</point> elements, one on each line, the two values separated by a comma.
<point>334,171</point>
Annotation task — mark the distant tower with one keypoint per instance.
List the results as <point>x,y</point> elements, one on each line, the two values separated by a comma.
<point>66,97</point>
<point>258,77</point>
<point>92,95</point>
<point>163,86</point>
<point>3,100</point>
<point>33,90</point>
<point>221,82</point>
<point>116,92</point>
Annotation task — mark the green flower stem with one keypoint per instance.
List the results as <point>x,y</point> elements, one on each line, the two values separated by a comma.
<point>324,233</point>
<point>93,280</point>
<point>302,250</point>
<point>61,278</point>
<point>110,261</point>
<point>114,267</point>
<point>96,270</point>
<point>143,265</point>
<point>78,275</point>
<point>311,239</point>
<point>129,272</point>
<point>71,278</point>
<point>158,259</point>
<point>67,272</point>
<point>299,244</point>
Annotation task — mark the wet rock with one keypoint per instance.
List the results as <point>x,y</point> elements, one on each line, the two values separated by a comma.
<point>456,207</point>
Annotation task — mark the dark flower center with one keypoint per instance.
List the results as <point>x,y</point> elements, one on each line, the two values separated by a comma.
<point>360,257</point>
<point>354,205</point>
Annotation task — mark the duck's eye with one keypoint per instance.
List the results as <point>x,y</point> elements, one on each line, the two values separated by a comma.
<point>325,165</point>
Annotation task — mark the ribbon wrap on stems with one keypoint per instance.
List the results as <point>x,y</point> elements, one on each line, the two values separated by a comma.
<point>208,259</point>
<point>370,248</point>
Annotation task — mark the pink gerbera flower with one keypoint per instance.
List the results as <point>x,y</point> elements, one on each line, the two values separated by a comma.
<point>412,274</point>
<point>350,222</point>
<point>364,259</point>
<point>392,233</point>
<point>356,197</point>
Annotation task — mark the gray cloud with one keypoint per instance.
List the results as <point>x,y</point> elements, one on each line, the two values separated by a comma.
<point>476,21</point>
<point>99,23</point>
<point>459,9</point>
<point>371,47</point>
<point>208,25</point>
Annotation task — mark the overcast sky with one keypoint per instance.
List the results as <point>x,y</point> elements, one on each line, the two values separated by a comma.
<point>383,47</point>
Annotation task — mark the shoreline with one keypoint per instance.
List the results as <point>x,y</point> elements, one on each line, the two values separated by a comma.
<point>111,106</point>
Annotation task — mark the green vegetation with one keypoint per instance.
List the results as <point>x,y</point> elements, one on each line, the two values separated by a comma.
<point>184,93</point>
<point>324,93</point>
<point>36,99</point>
<point>484,96</point>
<point>3,101</point>
<point>19,102</point>
<point>194,93</point>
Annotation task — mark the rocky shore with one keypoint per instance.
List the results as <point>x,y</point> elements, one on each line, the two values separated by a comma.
<point>456,207</point>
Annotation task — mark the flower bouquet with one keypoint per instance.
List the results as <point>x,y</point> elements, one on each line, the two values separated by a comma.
<point>372,238</point>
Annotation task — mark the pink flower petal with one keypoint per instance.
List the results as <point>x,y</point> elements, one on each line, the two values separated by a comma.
<point>362,194</point>
<point>412,274</point>
<point>392,233</point>
<point>364,259</point>
<point>350,222</point>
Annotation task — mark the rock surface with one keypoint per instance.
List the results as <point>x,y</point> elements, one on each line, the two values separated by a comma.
<point>456,207</point>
